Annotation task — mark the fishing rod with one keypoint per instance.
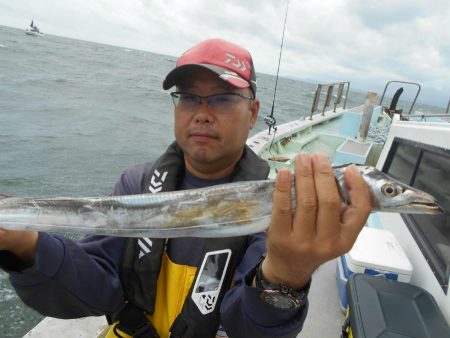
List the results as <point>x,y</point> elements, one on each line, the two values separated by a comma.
<point>270,119</point>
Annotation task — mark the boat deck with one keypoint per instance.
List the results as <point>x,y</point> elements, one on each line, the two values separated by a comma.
<point>335,134</point>
<point>325,316</point>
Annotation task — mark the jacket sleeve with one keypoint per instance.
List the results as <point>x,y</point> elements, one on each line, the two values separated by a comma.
<point>244,314</point>
<point>71,279</point>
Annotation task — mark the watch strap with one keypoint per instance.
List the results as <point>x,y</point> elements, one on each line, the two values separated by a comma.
<point>273,290</point>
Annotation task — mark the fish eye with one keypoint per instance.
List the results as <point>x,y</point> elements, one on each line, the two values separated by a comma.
<point>389,190</point>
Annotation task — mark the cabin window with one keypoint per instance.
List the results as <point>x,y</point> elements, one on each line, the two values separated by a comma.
<point>426,168</point>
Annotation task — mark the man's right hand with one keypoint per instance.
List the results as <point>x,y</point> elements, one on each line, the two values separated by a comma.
<point>20,243</point>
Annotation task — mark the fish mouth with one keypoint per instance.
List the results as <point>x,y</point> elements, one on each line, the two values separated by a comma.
<point>423,202</point>
<point>427,206</point>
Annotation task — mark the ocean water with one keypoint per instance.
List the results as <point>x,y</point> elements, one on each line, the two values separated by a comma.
<point>75,114</point>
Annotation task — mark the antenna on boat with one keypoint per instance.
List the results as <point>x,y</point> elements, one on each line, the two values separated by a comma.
<point>270,119</point>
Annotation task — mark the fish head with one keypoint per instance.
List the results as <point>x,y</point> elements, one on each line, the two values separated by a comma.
<point>394,196</point>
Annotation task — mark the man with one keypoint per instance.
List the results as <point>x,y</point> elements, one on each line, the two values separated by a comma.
<point>252,286</point>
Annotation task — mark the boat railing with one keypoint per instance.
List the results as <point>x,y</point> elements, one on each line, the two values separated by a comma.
<point>329,87</point>
<point>424,116</point>
<point>405,82</point>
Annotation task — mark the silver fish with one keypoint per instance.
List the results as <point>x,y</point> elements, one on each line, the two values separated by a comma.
<point>233,209</point>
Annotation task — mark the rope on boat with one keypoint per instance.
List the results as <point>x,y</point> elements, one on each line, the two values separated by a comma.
<point>378,134</point>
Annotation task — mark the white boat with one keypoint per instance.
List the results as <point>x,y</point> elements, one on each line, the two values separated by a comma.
<point>413,147</point>
<point>33,30</point>
<point>415,150</point>
<point>345,135</point>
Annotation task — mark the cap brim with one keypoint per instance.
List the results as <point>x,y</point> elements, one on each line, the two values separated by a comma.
<point>174,77</point>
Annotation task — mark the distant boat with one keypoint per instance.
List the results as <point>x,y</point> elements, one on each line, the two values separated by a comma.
<point>33,30</point>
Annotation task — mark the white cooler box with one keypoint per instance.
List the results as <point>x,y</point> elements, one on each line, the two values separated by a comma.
<point>376,252</point>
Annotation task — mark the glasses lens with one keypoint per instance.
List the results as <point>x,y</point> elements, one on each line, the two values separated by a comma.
<point>189,99</point>
<point>222,102</point>
<point>185,101</point>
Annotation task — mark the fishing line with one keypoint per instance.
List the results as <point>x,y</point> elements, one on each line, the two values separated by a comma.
<point>270,119</point>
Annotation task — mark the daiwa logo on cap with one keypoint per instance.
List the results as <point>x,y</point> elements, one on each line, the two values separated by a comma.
<point>237,63</point>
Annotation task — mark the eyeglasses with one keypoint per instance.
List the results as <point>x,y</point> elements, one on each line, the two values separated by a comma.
<point>218,102</point>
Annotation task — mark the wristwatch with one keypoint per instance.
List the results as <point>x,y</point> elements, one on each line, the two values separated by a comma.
<point>280,296</point>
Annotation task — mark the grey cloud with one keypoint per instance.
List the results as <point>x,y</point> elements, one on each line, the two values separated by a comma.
<point>376,14</point>
<point>367,41</point>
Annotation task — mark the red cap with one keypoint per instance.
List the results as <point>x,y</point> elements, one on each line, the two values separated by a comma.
<point>231,62</point>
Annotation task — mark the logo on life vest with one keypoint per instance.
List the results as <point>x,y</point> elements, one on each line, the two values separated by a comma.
<point>145,246</point>
<point>157,181</point>
<point>210,279</point>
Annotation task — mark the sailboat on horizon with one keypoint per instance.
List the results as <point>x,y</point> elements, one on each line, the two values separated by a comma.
<point>33,30</point>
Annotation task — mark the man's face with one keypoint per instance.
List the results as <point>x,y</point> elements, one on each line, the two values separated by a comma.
<point>213,141</point>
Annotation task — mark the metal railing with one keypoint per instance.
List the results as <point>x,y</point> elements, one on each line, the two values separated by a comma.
<point>412,83</point>
<point>424,116</point>
<point>329,88</point>
<point>427,115</point>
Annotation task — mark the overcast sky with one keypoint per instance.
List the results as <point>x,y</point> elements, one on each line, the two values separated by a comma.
<point>366,42</point>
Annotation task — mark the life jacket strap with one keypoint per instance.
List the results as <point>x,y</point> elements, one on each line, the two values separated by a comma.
<point>134,322</point>
<point>178,328</point>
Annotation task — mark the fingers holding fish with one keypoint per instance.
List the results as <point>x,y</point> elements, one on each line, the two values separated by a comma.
<point>330,232</point>
<point>283,244</point>
<point>328,199</point>
<point>294,246</point>
<point>281,218</point>
<point>318,231</point>
<point>356,213</point>
<point>306,198</point>
<point>317,219</point>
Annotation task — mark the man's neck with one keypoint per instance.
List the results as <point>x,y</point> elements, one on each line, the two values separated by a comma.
<point>206,172</point>
<point>191,181</point>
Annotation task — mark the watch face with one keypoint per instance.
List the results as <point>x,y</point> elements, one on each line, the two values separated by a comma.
<point>278,299</point>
